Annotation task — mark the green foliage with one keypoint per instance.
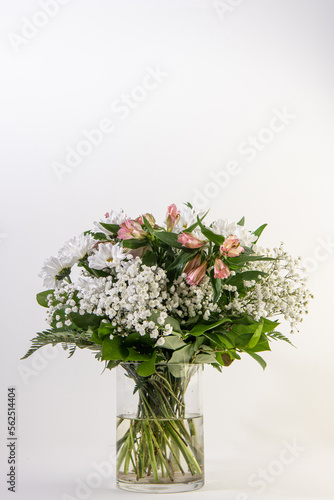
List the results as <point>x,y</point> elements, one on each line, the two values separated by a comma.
<point>42,297</point>
<point>168,238</point>
<point>210,235</point>
<point>146,368</point>
<point>259,231</point>
<point>204,326</point>
<point>113,228</point>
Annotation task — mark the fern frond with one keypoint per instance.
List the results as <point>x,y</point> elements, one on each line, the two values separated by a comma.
<point>279,336</point>
<point>68,338</point>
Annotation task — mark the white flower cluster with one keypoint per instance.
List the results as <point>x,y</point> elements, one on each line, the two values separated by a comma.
<point>282,291</point>
<point>226,228</point>
<point>188,301</point>
<point>130,298</point>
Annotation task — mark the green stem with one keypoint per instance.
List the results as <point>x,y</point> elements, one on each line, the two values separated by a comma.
<point>146,426</point>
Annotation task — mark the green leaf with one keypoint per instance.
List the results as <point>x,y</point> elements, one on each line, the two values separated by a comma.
<point>133,243</point>
<point>114,349</point>
<point>268,325</point>
<point>246,257</point>
<point>168,321</point>
<point>146,368</point>
<point>147,225</point>
<point>210,235</point>
<point>259,231</point>
<point>85,320</point>
<point>204,326</point>
<point>105,329</point>
<point>224,358</point>
<point>256,336</point>
<point>193,226</point>
<point>149,258</point>
<point>241,222</point>
<point>209,357</point>
<point>95,338</point>
<point>181,260</point>
<point>257,358</point>
<point>173,342</point>
<point>100,236</point>
<point>42,297</point>
<point>136,340</point>
<point>137,356</point>
<point>113,228</point>
<point>183,355</point>
<point>239,278</point>
<point>168,238</point>
<point>216,284</point>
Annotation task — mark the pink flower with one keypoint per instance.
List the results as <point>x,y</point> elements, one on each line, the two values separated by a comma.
<point>231,247</point>
<point>221,269</point>
<point>150,219</point>
<point>189,240</point>
<point>131,229</point>
<point>172,217</point>
<point>192,264</point>
<point>197,274</point>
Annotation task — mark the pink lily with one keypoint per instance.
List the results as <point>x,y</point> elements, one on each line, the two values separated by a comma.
<point>196,275</point>
<point>150,219</point>
<point>192,264</point>
<point>231,247</point>
<point>189,240</point>
<point>221,270</point>
<point>172,217</point>
<point>131,229</point>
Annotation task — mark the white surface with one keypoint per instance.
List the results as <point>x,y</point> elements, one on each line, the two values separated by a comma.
<point>227,80</point>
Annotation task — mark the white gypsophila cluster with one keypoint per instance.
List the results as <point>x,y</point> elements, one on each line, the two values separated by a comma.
<point>130,297</point>
<point>282,292</point>
<point>188,301</point>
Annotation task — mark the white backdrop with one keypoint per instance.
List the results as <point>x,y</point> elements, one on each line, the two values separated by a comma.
<point>227,104</point>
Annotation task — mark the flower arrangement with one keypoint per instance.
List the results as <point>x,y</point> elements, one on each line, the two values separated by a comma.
<point>185,291</point>
<point>180,292</point>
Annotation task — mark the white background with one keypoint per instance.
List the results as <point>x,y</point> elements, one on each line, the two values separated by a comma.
<point>226,73</point>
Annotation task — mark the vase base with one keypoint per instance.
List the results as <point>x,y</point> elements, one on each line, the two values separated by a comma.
<point>161,487</point>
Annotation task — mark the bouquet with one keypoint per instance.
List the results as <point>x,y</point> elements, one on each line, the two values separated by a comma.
<point>150,296</point>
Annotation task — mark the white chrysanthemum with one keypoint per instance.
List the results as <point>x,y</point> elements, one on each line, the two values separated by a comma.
<point>77,248</point>
<point>107,255</point>
<point>111,217</point>
<point>226,228</point>
<point>54,271</point>
<point>188,216</point>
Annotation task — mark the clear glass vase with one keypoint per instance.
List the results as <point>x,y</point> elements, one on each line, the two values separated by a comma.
<point>160,429</point>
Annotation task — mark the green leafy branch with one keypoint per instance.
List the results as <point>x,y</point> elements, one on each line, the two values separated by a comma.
<point>65,337</point>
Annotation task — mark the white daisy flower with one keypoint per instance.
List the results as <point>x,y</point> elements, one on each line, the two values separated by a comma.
<point>111,217</point>
<point>76,248</point>
<point>107,255</point>
<point>54,271</point>
<point>188,216</point>
<point>226,228</point>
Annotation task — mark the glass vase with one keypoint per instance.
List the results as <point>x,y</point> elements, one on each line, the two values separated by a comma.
<point>160,429</point>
